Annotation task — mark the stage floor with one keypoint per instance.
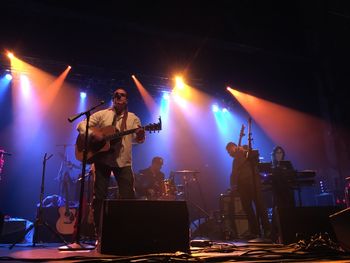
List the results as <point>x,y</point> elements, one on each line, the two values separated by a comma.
<point>210,251</point>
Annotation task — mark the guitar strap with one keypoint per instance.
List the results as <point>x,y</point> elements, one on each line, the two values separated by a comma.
<point>125,116</point>
<point>123,125</point>
<point>114,119</point>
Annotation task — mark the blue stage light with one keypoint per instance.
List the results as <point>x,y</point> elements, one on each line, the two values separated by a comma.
<point>8,76</point>
<point>166,96</point>
<point>82,95</point>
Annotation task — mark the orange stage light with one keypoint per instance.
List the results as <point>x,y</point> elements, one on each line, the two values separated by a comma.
<point>10,55</point>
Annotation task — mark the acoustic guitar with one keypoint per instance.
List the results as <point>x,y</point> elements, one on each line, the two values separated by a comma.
<point>68,216</point>
<point>111,137</point>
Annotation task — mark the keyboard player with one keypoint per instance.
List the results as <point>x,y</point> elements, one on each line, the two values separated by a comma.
<point>282,176</point>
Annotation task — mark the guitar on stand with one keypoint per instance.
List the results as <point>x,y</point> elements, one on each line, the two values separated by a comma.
<point>66,222</point>
<point>40,221</point>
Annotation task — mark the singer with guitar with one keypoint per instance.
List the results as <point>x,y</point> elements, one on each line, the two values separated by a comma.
<point>112,153</point>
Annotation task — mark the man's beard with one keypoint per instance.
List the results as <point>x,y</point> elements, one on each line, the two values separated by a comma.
<point>119,108</point>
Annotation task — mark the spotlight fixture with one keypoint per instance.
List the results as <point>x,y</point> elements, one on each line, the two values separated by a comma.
<point>215,108</point>
<point>82,95</point>
<point>10,55</point>
<point>166,95</point>
<point>8,76</point>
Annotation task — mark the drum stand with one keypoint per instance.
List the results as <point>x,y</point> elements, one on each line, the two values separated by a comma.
<point>39,221</point>
<point>188,176</point>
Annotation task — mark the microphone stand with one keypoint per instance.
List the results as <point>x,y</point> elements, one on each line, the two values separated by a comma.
<point>77,245</point>
<point>258,201</point>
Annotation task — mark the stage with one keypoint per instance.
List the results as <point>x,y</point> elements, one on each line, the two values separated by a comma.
<point>210,251</point>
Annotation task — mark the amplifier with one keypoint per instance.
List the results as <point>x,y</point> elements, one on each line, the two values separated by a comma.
<point>134,227</point>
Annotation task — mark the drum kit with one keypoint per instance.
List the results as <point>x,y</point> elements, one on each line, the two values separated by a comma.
<point>176,186</point>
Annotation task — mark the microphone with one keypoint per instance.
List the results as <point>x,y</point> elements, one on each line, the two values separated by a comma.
<point>71,119</point>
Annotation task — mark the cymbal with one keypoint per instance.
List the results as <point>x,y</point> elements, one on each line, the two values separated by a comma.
<point>186,171</point>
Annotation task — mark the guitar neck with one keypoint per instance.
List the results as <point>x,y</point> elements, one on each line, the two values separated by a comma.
<point>119,134</point>
<point>250,133</point>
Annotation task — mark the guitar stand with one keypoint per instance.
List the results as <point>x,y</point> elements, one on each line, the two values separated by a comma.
<point>39,221</point>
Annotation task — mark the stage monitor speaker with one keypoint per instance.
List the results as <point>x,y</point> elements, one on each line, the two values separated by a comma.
<point>13,230</point>
<point>303,222</point>
<point>136,227</point>
<point>341,225</point>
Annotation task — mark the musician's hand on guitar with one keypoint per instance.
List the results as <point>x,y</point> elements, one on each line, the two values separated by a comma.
<point>97,135</point>
<point>140,135</point>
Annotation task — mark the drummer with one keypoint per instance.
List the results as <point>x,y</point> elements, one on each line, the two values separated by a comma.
<point>150,181</point>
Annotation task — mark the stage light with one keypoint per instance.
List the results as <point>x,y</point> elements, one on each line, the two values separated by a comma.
<point>25,85</point>
<point>215,108</point>
<point>8,76</point>
<point>179,83</point>
<point>166,96</point>
<point>10,55</point>
<point>82,95</point>
<point>224,110</point>
<point>69,67</point>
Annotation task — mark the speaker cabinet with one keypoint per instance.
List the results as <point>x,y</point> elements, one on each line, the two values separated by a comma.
<point>13,230</point>
<point>341,225</point>
<point>296,223</point>
<point>234,219</point>
<point>135,227</point>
